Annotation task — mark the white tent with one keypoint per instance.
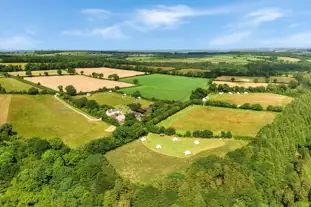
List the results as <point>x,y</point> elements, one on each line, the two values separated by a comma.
<point>124,94</point>
<point>175,139</point>
<point>139,98</point>
<point>245,92</point>
<point>196,142</point>
<point>110,91</point>
<point>230,93</point>
<point>143,139</point>
<point>220,93</point>
<point>238,92</point>
<point>158,147</point>
<point>187,153</point>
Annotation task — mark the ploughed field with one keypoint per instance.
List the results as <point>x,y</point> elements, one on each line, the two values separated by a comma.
<point>109,71</point>
<point>165,87</point>
<point>11,84</point>
<point>141,162</point>
<point>239,122</point>
<point>264,99</point>
<point>81,83</point>
<point>45,117</point>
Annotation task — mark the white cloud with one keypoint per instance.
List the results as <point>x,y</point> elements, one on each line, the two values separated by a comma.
<point>302,40</point>
<point>94,14</point>
<point>30,31</point>
<point>168,16</point>
<point>112,32</point>
<point>230,39</point>
<point>17,43</point>
<point>294,25</point>
<point>265,15</point>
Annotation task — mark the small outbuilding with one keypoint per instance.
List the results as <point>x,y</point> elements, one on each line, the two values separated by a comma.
<point>158,147</point>
<point>88,94</point>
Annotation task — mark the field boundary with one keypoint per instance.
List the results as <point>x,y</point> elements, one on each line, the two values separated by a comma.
<point>77,111</point>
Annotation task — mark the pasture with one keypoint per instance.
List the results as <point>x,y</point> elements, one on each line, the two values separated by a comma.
<point>45,117</point>
<point>81,83</point>
<point>137,162</point>
<point>11,84</point>
<point>5,101</point>
<point>264,99</point>
<point>38,73</point>
<point>165,86</point>
<point>239,122</point>
<point>115,99</point>
<point>109,71</point>
<point>248,79</point>
<point>240,84</point>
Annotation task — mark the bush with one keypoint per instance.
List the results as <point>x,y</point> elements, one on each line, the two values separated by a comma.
<point>257,107</point>
<point>33,91</point>
<point>274,108</point>
<point>71,90</point>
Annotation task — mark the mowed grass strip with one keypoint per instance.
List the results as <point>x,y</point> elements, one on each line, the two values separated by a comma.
<point>114,99</point>
<point>239,122</point>
<point>264,99</point>
<point>11,84</point>
<point>166,87</point>
<point>178,148</point>
<point>38,72</point>
<point>45,117</point>
<point>5,101</point>
<point>139,163</point>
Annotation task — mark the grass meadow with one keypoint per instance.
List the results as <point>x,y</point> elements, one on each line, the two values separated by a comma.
<point>45,117</point>
<point>11,84</point>
<point>239,122</point>
<point>5,101</point>
<point>165,86</point>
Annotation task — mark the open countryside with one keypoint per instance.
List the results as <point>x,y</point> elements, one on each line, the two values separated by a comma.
<point>109,71</point>
<point>11,84</point>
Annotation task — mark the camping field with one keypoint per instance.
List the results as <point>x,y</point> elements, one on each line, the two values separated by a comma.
<point>165,86</point>
<point>114,99</point>
<point>110,71</point>
<point>38,73</point>
<point>239,122</point>
<point>81,83</point>
<point>45,117</point>
<point>137,162</point>
<point>11,84</point>
<point>264,99</point>
<point>240,84</point>
<point>248,79</point>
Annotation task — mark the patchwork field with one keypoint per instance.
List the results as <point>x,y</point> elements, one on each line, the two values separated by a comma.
<point>45,117</point>
<point>11,84</point>
<point>137,162</point>
<point>5,101</point>
<point>38,73</point>
<point>244,84</point>
<point>110,71</point>
<point>239,122</point>
<point>114,99</point>
<point>280,79</point>
<point>81,83</point>
<point>264,99</point>
<point>165,86</point>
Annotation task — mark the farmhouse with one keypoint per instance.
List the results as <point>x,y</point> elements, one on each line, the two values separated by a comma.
<point>117,114</point>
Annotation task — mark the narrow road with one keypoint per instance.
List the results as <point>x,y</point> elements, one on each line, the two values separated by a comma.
<point>72,108</point>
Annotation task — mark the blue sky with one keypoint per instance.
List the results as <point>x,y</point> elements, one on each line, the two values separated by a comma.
<point>154,24</point>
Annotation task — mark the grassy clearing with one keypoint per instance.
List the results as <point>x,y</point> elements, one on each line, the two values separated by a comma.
<point>11,84</point>
<point>5,101</point>
<point>114,99</point>
<point>248,79</point>
<point>21,64</point>
<point>244,84</point>
<point>38,73</point>
<point>289,59</point>
<point>165,86</point>
<point>239,122</point>
<point>138,163</point>
<point>264,99</point>
<point>47,118</point>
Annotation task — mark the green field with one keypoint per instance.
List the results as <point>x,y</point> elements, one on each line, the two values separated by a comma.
<point>136,162</point>
<point>45,117</point>
<point>239,122</point>
<point>11,84</point>
<point>115,99</point>
<point>165,86</point>
<point>264,99</point>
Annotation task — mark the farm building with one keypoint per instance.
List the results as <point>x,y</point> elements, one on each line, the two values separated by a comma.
<point>117,114</point>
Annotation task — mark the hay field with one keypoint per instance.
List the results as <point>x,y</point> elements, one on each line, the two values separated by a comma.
<point>47,118</point>
<point>244,84</point>
<point>115,99</point>
<point>138,163</point>
<point>289,59</point>
<point>280,79</point>
<point>5,101</point>
<point>11,84</point>
<point>193,70</point>
<point>38,72</point>
<point>165,87</point>
<point>81,83</point>
<point>264,99</point>
<point>110,71</point>
<point>239,122</point>
<point>154,67</point>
